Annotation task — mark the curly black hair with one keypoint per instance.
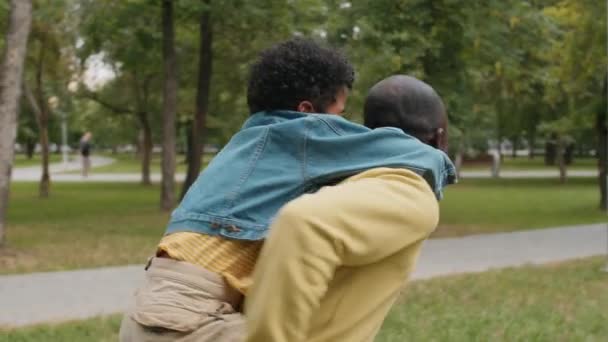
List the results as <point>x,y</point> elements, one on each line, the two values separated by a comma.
<point>297,70</point>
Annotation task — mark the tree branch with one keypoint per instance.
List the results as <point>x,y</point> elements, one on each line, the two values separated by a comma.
<point>113,107</point>
<point>29,95</point>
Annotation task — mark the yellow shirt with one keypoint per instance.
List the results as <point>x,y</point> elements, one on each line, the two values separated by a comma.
<point>233,259</point>
<point>334,261</point>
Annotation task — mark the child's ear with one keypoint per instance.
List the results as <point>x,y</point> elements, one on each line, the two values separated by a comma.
<point>306,107</point>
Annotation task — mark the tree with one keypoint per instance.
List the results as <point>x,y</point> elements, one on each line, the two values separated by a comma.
<point>205,63</point>
<point>47,72</point>
<point>167,200</point>
<point>220,102</point>
<point>134,91</point>
<point>578,73</point>
<point>13,59</point>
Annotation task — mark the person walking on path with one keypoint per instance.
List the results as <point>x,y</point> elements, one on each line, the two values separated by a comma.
<point>85,153</point>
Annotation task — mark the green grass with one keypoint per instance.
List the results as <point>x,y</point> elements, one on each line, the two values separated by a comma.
<point>21,160</point>
<point>89,224</point>
<point>561,302</point>
<point>103,329</point>
<point>525,163</point>
<point>488,205</point>
<point>564,302</point>
<point>81,225</point>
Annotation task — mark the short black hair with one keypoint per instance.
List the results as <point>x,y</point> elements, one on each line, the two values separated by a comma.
<point>404,102</point>
<point>297,70</point>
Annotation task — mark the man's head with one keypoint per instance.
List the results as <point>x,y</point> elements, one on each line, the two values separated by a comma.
<point>300,75</point>
<point>410,104</point>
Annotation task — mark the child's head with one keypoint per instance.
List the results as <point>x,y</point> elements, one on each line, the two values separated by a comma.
<point>300,75</point>
<point>411,105</point>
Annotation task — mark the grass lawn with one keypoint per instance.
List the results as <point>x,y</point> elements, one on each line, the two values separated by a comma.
<point>21,160</point>
<point>87,225</point>
<point>103,329</point>
<point>81,225</point>
<point>488,205</point>
<point>561,302</point>
<point>525,163</point>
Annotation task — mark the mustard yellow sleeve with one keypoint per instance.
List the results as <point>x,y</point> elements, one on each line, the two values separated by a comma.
<point>360,221</point>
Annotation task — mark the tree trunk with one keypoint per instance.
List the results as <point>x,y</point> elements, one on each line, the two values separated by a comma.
<point>458,162</point>
<point>139,144</point>
<point>561,159</point>
<point>531,144</point>
<point>10,92</point>
<point>45,179</point>
<point>603,159</point>
<point>205,63</point>
<point>43,114</point>
<point>188,143</point>
<point>514,144</point>
<point>30,147</point>
<point>167,191</point>
<point>146,148</point>
<point>496,164</point>
<point>602,148</point>
<point>459,155</point>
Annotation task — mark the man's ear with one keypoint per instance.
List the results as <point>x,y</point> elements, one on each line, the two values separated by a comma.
<point>441,139</point>
<point>306,107</point>
<point>437,139</point>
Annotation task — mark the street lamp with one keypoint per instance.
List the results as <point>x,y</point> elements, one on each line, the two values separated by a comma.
<point>54,103</point>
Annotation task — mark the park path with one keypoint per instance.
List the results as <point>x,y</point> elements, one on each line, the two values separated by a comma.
<point>155,177</point>
<point>59,296</point>
<point>33,173</point>
<point>529,174</point>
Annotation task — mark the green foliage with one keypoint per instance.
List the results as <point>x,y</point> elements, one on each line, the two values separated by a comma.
<point>506,69</point>
<point>577,79</point>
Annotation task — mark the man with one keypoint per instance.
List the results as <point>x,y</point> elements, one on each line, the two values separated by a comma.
<point>195,285</point>
<point>335,261</point>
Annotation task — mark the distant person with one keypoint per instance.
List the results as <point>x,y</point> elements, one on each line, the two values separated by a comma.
<point>85,152</point>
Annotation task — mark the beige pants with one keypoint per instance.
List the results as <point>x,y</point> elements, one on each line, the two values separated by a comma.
<point>183,302</point>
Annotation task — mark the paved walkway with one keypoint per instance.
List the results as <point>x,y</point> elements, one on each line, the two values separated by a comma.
<point>155,177</point>
<point>94,177</point>
<point>529,174</point>
<point>33,173</point>
<point>57,296</point>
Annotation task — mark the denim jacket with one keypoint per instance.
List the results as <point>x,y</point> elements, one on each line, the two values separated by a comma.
<point>280,155</point>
